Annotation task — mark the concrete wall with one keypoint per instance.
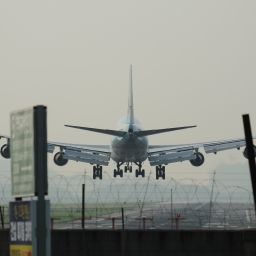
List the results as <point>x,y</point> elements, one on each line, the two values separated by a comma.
<point>107,242</point>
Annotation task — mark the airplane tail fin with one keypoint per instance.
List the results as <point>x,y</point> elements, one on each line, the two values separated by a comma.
<point>130,113</point>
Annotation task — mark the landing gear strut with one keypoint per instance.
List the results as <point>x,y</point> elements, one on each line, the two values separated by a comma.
<point>139,171</point>
<point>160,172</point>
<point>118,171</point>
<point>128,167</point>
<point>97,172</point>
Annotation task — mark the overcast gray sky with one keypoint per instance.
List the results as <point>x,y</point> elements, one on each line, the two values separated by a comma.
<point>194,63</point>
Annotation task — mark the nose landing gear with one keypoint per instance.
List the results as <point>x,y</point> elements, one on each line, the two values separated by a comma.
<point>128,167</point>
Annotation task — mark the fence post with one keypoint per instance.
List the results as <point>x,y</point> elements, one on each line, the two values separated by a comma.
<point>122,209</point>
<point>250,154</point>
<point>113,223</point>
<point>83,204</point>
<point>2,217</point>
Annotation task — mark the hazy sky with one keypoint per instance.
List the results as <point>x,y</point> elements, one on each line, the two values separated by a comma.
<point>194,63</point>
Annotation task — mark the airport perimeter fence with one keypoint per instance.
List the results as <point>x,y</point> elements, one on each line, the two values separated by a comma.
<point>215,202</point>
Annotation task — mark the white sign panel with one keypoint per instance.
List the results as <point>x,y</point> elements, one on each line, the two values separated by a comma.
<point>22,153</point>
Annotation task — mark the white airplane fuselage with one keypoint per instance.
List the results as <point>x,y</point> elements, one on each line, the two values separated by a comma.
<point>129,148</point>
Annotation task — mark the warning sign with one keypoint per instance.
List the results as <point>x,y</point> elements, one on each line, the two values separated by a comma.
<point>22,230</point>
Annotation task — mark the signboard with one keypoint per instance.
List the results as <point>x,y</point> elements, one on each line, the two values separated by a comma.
<point>29,220</point>
<point>22,153</point>
<point>22,228</point>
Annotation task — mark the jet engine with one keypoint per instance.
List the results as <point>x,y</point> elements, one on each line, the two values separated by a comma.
<point>245,153</point>
<point>5,151</point>
<point>199,160</point>
<point>59,159</point>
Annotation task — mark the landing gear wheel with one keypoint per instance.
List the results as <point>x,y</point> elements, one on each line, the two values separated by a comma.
<point>160,172</point>
<point>126,168</point>
<point>100,172</point>
<point>140,172</point>
<point>118,172</point>
<point>94,172</point>
<point>130,168</point>
<point>97,172</point>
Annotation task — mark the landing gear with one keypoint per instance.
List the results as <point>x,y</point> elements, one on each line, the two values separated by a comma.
<point>139,171</point>
<point>128,168</point>
<point>97,172</point>
<point>118,171</point>
<point>160,172</point>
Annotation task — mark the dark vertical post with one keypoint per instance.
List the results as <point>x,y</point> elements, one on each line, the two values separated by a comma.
<point>113,223</point>
<point>52,223</point>
<point>177,223</point>
<point>2,217</point>
<point>83,204</point>
<point>122,209</point>
<point>144,223</point>
<point>171,211</point>
<point>40,142</point>
<point>250,154</point>
<point>123,236</point>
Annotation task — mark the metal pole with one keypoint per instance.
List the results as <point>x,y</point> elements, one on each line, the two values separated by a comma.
<point>171,211</point>
<point>250,154</point>
<point>113,223</point>
<point>83,204</point>
<point>123,236</point>
<point>211,198</point>
<point>52,223</point>
<point>40,142</point>
<point>2,217</point>
<point>144,223</point>
<point>122,209</point>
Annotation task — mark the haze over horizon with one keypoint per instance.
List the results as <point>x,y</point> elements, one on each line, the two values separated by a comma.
<point>194,63</point>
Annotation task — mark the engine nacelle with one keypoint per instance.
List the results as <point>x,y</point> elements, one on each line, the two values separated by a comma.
<point>245,153</point>
<point>199,160</point>
<point>59,159</point>
<point>5,151</point>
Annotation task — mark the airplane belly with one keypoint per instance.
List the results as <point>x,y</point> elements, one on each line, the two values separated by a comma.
<point>129,150</point>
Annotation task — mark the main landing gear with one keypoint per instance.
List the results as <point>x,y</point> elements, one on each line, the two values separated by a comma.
<point>128,167</point>
<point>139,171</point>
<point>118,171</point>
<point>160,172</point>
<point>97,172</point>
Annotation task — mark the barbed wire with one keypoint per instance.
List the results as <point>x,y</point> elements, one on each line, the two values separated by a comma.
<point>146,198</point>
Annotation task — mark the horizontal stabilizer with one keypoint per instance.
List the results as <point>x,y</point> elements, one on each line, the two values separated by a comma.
<point>104,131</point>
<point>153,132</point>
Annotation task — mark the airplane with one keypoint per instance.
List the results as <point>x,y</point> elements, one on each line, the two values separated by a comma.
<point>130,146</point>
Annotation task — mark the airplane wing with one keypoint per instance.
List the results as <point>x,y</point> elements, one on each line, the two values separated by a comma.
<point>4,136</point>
<point>166,154</point>
<point>92,154</point>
